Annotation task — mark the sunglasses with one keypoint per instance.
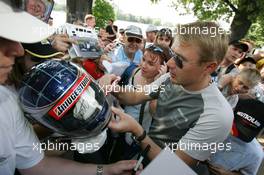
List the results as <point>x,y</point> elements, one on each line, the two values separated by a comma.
<point>177,58</point>
<point>132,39</point>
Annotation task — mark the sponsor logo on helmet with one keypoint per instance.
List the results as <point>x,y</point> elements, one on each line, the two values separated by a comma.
<point>70,98</point>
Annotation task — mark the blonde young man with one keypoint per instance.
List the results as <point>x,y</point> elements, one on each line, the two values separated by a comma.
<point>190,110</point>
<point>233,85</point>
<point>89,20</point>
<point>17,137</point>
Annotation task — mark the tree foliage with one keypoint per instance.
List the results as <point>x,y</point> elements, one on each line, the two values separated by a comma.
<point>216,9</point>
<point>243,13</point>
<point>256,33</point>
<point>103,11</point>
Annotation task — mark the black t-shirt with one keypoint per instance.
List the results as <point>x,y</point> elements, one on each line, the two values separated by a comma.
<point>248,120</point>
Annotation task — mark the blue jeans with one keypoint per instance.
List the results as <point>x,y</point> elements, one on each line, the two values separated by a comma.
<point>244,157</point>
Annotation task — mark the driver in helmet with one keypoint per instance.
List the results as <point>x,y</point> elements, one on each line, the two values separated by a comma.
<point>17,137</point>
<point>76,108</point>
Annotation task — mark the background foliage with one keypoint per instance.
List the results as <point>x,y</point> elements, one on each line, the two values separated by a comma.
<point>103,11</point>
<point>246,16</point>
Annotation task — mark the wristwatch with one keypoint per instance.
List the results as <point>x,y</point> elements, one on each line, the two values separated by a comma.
<point>99,170</point>
<point>139,138</point>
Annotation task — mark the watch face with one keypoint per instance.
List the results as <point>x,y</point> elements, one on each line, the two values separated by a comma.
<point>99,170</point>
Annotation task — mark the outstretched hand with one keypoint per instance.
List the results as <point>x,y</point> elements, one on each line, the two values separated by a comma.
<point>123,122</point>
<point>109,82</point>
<point>62,42</point>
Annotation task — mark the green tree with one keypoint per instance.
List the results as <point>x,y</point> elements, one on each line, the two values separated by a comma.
<point>256,33</point>
<point>244,12</point>
<point>103,11</point>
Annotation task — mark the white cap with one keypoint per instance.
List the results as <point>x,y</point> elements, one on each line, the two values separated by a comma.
<point>134,31</point>
<point>152,28</point>
<point>20,26</point>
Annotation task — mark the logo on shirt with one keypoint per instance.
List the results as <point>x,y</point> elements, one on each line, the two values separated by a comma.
<point>249,118</point>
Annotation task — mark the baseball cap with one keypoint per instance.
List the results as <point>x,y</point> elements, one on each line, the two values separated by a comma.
<point>40,50</point>
<point>152,28</point>
<point>121,30</point>
<point>133,31</point>
<point>165,32</point>
<point>248,119</point>
<point>239,44</point>
<point>20,26</point>
<point>246,59</point>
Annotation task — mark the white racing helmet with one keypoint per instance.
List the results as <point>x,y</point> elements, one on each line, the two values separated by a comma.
<point>64,98</point>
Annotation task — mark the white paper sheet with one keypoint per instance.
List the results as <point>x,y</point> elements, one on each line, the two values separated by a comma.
<point>167,163</point>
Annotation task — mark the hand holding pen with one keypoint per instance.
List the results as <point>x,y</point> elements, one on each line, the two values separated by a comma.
<point>140,158</point>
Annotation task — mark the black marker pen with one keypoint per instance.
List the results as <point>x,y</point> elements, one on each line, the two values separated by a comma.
<point>140,158</point>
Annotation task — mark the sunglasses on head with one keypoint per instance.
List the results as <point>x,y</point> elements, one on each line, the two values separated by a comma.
<point>165,31</point>
<point>154,48</point>
<point>132,39</point>
<point>177,58</point>
<point>158,50</point>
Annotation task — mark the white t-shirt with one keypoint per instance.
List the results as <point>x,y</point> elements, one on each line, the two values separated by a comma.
<point>194,121</point>
<point>17,137</point>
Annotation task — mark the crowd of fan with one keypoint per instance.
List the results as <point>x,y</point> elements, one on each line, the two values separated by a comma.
<point>208,91</point>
